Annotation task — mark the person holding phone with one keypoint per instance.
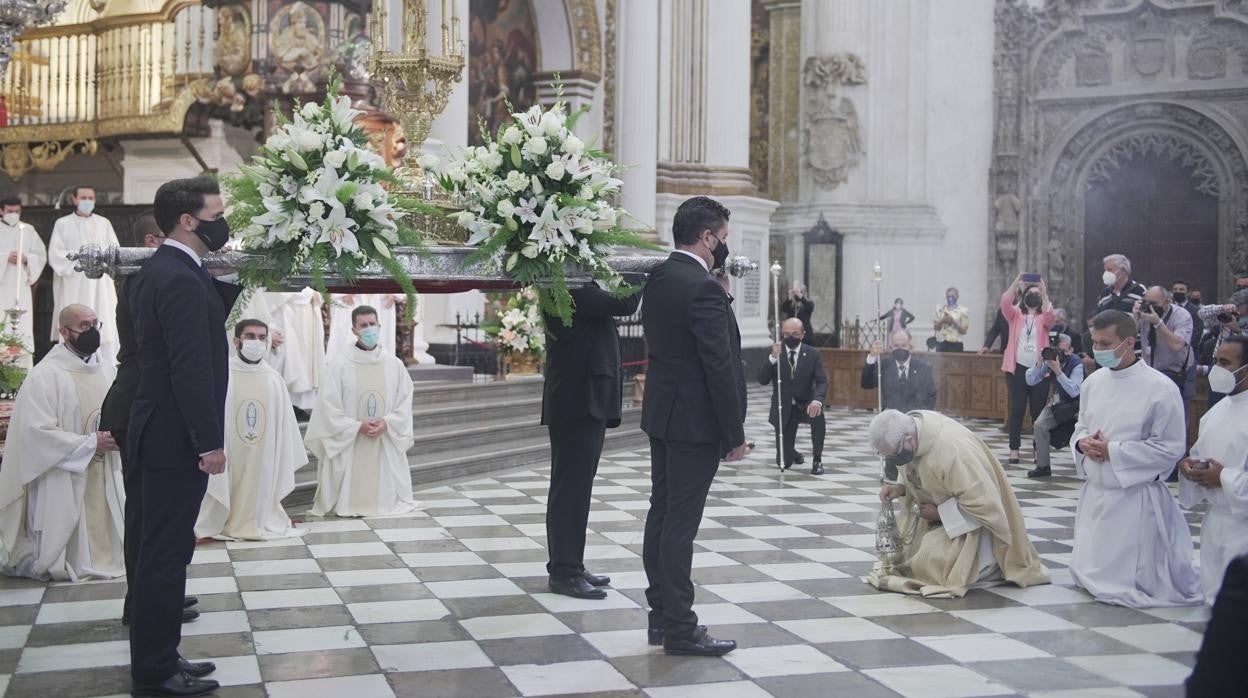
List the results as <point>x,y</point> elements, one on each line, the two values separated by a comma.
<point>1029,320</point>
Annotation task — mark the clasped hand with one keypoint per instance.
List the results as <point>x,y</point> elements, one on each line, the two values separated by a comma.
<point>1095,447</point>
<point>373,428</point>
<point>1210,477</point>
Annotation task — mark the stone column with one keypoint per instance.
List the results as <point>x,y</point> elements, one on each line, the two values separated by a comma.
<point>637,103</point>
<point>147,164</point>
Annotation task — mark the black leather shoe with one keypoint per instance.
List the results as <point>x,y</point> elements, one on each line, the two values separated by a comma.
<point>189,601</point>
<point>655,635</point>
<point>178,685</point>
<point>189,615</point>
<point>597,580</point>
<point>700,645</point>
<point>799,458</point>
<point>196,669</point>
<point>816,468</point>
<point>1039,472</point>
<point>576,587</point>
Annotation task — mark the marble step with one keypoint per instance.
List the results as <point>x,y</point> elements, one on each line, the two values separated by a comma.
<point>429,395</point>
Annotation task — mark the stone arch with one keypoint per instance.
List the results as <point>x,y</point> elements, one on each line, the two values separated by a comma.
<point>1209,148</point>
<point>570,36</point>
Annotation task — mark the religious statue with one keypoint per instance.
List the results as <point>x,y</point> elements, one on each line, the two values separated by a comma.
<point>1008,208</point>
<point>1057,262</point>
<point>233,49</point>
<point>297,40</point>
<point>833,135</point>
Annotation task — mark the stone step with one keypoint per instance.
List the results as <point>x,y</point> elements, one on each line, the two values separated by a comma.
<point>429,418</point>
<point>431,395</point>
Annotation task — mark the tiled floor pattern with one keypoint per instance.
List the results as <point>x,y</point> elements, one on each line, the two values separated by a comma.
<point>453,603</point>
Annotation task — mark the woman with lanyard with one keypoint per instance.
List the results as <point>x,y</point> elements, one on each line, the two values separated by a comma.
<point>1030,316</point>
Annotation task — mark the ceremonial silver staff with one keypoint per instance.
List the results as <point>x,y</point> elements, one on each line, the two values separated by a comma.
<point>877,278</point>
<point>775,301</point>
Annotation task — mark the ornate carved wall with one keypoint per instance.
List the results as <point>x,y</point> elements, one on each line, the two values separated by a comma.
<point>1082,87</point>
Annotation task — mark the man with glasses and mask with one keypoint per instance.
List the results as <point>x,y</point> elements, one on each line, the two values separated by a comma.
<point>969,530</point>
<point>803,386</point>
<point>60,489</point>
<point>1132,546</point>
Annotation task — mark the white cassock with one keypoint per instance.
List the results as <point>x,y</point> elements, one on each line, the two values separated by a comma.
<point>69,286</point>
<point>263,449</point>
<point>1224,534</point>
<point>13,289</point>
<point>301,359</point>
<point>340,336</point>
<point>1132,544</point>
<point>62,505</point>
<point>358,475</point>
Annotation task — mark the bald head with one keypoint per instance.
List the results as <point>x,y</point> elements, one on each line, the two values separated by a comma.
<point>901,340</point>
<point>75,315</point>
<point>791,325</point>
<point>1157,294</point>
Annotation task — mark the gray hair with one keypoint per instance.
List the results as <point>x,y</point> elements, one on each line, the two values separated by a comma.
<point>889,428</point>
<point>1063,338</point>
<point>1165,292</point>
<point>1119,261</point>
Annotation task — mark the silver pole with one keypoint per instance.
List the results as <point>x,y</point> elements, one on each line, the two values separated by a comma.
<point>775,300</point>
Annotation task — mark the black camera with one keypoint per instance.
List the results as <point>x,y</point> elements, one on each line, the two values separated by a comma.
<point>1225,317</point>
<point>1151,308</point>
<point>1048,354</point>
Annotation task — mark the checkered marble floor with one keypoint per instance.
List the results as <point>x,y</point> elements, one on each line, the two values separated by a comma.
<point>452,602</point>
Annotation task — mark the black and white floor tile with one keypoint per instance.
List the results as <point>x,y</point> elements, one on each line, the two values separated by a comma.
<point>453,602</point>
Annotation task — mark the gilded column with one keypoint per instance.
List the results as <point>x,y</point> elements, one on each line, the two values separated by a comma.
<point>784,97</point>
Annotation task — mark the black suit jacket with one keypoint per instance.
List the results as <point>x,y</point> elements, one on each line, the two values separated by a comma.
<point>179,322</point>
<point>918,392</point>
<point>1000,329</point>
<point>695,381</point>
<point>809,383</point>
<point>583,373</point>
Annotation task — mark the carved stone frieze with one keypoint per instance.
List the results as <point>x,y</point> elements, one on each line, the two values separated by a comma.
<point>833,138</point>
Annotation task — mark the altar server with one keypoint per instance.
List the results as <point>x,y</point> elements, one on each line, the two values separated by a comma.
<point>22,258</point>
<point>61,500</point>
<point>1217,471</point>
<point>1132,545</point>
<point>361,429</point>
<point>69,286</point>
<point>969,530</point>
<point>340,336</point>
<point>263,448</point>
<point>301,360</point>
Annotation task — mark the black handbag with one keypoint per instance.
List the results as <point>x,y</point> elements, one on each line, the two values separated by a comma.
<point>1065,411</point>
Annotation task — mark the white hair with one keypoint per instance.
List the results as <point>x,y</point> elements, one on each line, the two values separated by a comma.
<point>889,428</point>
<point>1120,262</point>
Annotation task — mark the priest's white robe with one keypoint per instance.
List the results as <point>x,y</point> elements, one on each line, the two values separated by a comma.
<point>359,475</point>
<point>340,336</point>
<point>62,505</point>
<point>69,234</point>
<point>17,291</point>
<point>302,356</point>
<point>1132,544</point>
<point>1224,533</point>
<point>263,449</point>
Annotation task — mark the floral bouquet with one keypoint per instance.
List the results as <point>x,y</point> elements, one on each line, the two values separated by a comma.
<point>538,198</point>
<point>315,196</point>
<point>518,327</point>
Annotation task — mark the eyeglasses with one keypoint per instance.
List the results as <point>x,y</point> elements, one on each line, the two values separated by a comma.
<point>97,325</point>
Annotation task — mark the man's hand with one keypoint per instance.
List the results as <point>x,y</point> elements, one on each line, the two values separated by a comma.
<point>213,463</point>
<point>813,410</point>
<point>737,453</point>
<point>1095,447</point>
<point>1210,477</point>
<point>1055,367</point>
<point>775,350</point>
<point>929,513</point>
<point>104,442</point>
<point>724,281</point>
<point>1137,309</point>
<point>1151,317</point>
<point>277,339</point>
<point>890,492</point>
<point>877,348</point>
<point>15,258</point>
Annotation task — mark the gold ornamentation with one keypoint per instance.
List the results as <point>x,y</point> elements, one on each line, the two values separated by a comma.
<point>19,158</point>
<point>608,78</point>
<point>583,17</point>
<point>297,44</point>
<point>233,48</point>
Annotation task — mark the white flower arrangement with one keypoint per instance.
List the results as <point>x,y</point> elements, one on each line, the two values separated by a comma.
<point>519,327</point>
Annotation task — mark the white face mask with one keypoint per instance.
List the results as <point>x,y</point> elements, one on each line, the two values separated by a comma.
<point>254,350</point>
<point>1109,278</point>
<point>1222,380</point>
<point>12,219</point>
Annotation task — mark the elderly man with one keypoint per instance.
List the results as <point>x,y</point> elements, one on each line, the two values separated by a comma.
<point>1166,337</point>
<point>1120,292</point>
<point>1132,546</point>
<point>969,530</point>
<point>907,380</point>
<point>1065,370</point>
<point>804,387</point>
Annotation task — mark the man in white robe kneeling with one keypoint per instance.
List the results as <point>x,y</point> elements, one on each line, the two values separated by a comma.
<point>361,429</point>
<point>1217,471</point>
<point>61,495</point>
<point>960,522</point>
<point>263,448</point>
<point>1132,544</point>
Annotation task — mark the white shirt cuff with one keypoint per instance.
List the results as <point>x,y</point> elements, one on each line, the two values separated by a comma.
<point>78,461</point>
<point>871,360</point>
<point>772,359</point>
<point>954,520</point>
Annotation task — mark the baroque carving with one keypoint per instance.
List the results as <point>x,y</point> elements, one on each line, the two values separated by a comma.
<point>1164,145</point>
<point>609,76</point>
<point>583,15</point>
<point>760,63</point>
<point>833,139</point>
<point>1206,58</point>
<point>16,159</point>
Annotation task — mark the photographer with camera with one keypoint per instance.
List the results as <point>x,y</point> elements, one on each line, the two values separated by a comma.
<point>1057,421</point>
<point>1166,334</point>
<point>1221,321</point>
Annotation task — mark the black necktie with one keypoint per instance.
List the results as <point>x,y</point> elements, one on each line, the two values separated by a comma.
<point>901,374</point>
<point>792,361</point>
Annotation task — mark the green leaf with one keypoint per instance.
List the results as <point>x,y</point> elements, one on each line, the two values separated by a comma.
<point>516,161</point>
<point>511,224</point>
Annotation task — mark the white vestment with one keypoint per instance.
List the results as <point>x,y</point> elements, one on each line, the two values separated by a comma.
<point>359,475</point>
<point>1224,534</point>
<point>263,449</point>
<point>1132,544</point>
<point>301,359</point>
<point>340,336</point>
<point>69,286</point>
<point>62,505</point>
<point>15,291</point>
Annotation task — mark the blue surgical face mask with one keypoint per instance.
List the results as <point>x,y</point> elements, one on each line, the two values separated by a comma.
<point>370,335</point>
<point>1108,358</point>
<point>86,207</point>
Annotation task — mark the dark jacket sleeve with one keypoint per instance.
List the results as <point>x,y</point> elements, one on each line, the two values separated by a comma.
<point>907,317</point>
<point>767,373</point>
<point>928,396</point>
<point>868,375</point>
<point>998,329</point>
<point>708,322</point>
<point>229,294</point>
<point>821,382</point>
<point>189,338</point>
<point>592,301</point>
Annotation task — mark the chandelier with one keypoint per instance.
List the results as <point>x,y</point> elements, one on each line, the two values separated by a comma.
<point>16,15</point>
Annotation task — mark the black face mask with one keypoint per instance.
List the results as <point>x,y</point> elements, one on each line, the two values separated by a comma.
<point>214,233</point>
<point>1180,298</point>
<point>792,342</point>
<point>87,342</point>
<point>901,356</point>
<point>720,254</point>
<point>1032,300</point>
<point>898,459</point>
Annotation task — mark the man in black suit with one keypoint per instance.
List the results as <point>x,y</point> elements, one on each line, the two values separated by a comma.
<point>908,381</point>
<point>581,400</point>
<point>176,430</point>
<point>693,412</point>
<point>804,387</point>
<point>115,411</point>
